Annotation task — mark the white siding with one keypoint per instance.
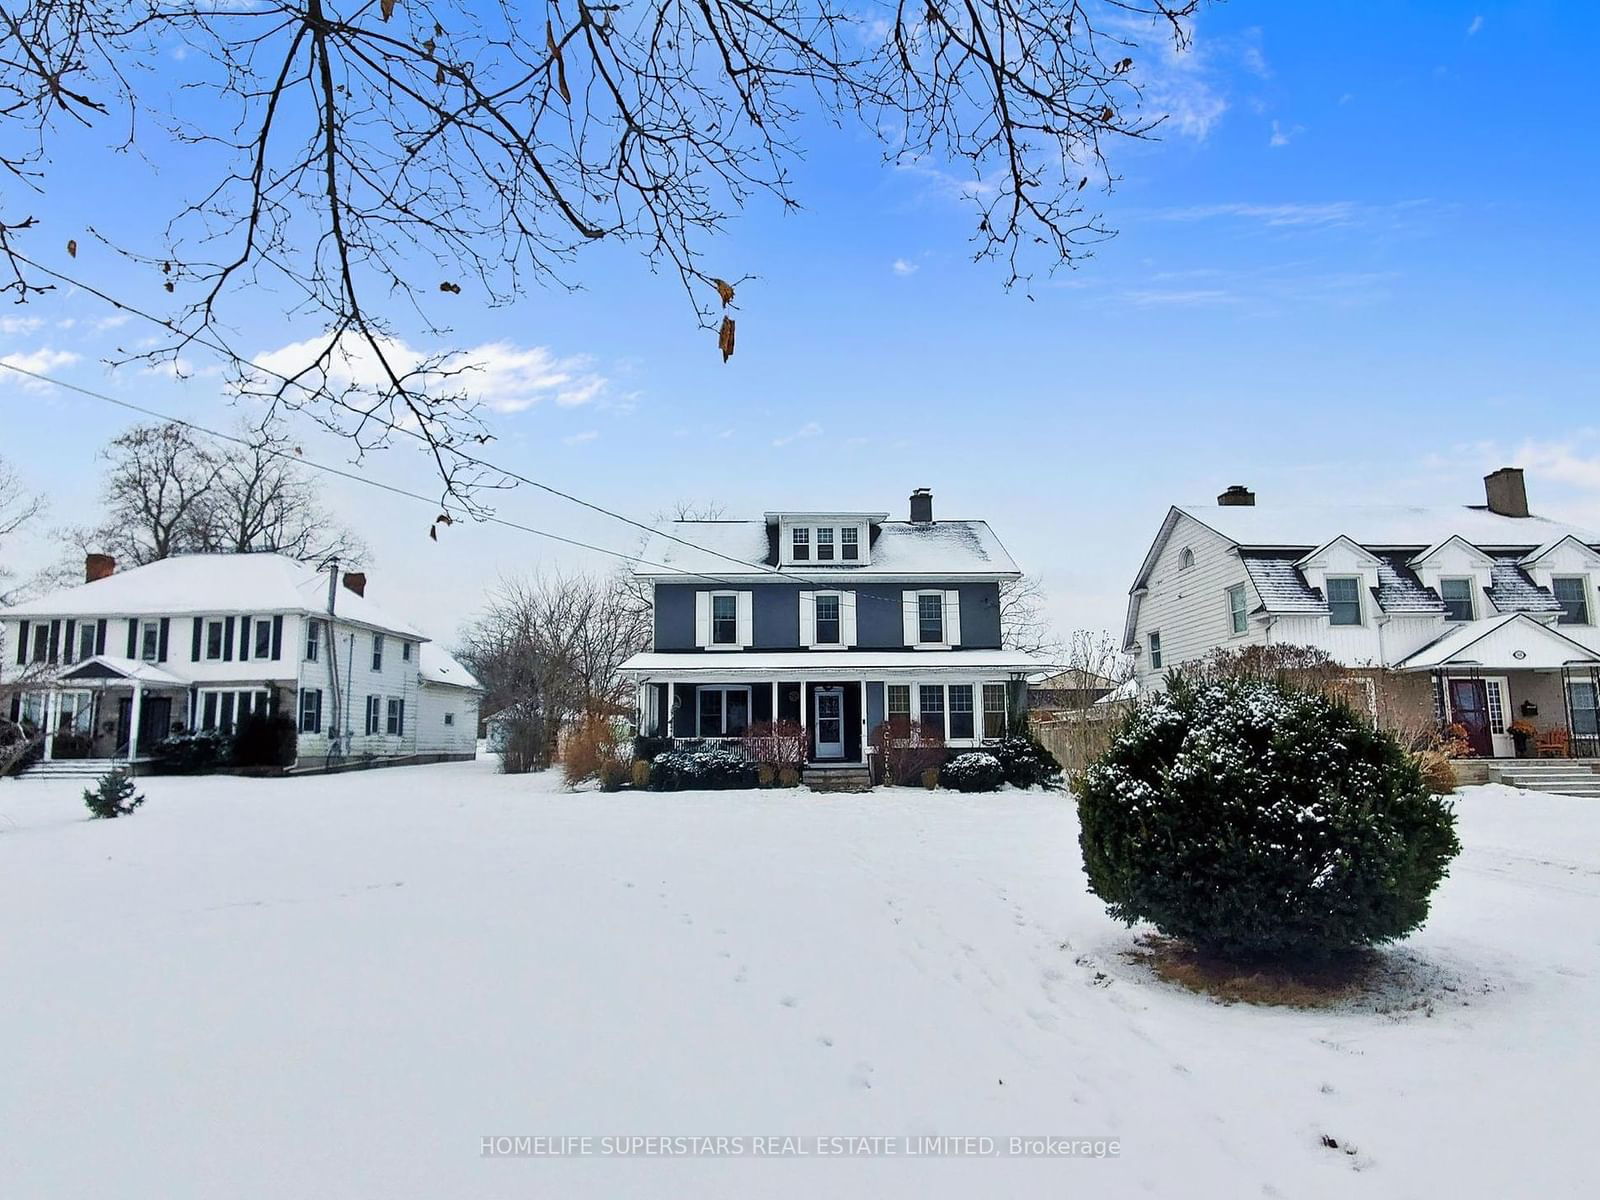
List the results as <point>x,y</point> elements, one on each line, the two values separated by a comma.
<point>433,736</point>
<point>352,647</point>
<point>1190,607</point>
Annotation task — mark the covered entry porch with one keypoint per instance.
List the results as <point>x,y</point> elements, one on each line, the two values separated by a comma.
<point>105,708</point>
<point>1515,670</point>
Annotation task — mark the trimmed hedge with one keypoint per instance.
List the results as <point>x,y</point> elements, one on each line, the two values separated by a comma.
<point>974,771</point>
<point>1252,820</point>
<point>1025,762</point>
<point>700,770</point>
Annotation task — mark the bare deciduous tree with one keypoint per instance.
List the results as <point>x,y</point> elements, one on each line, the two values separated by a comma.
<point>1023,623</point>
<point>371,160</point>
<point>18,508</point>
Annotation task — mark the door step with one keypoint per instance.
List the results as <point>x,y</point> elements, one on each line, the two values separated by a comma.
<point>844,777</point>
<point>75,768</point>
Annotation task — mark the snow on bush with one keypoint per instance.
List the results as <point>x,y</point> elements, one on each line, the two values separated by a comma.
<point>1250,820</point>
<point>700,770</point>
<point>1025,762</point>
<point>975,771</point>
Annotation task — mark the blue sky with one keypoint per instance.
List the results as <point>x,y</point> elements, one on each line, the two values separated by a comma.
<point>1359,265</point>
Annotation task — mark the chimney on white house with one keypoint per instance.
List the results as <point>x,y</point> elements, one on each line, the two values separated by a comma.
<point>1506,492</point>
<point>1237,496</point>
<point>922,506</point>
<point>98,566</point>
<point>356,581</point>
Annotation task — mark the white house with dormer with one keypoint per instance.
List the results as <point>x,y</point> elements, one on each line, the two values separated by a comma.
<point>1494,606</point>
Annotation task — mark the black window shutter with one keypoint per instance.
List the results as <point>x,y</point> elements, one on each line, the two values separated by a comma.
<point>227,640</point>
<point>55,641</point>
<point>133,637</point>
<point>100,636</point>
<point>317,728</point>
<point>194,649</point>
<point>22,642</point>
<point>161,648</point>
<point>16,706</point>
<point>244,639</point>
<point>277,638</point>
<point>400,725</point>
<point>69,641</point>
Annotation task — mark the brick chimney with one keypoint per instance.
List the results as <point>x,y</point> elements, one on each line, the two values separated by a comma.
<point>1237,496</point>
<point>356,581</point>
<point>98,566</point>
<point>1506,492</point>
<point>922,506</point>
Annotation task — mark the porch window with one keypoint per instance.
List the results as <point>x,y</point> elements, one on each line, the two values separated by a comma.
<point>961,714</point>
<point>1155,650</point>
<point>214,639</point>
<point>263,631</point>
<point>1344,601</point>
<point>150,641</point>
<point>994,710</point>
<point>77,713</point>
<point>313,640</point>
<point>800,545</point>
<point>850,543</point>
<point>930,705</point>
<point>827,623</point>
<point>898,701</point>
<point>1457,597</point>
<point>1573,594</point>
<point>722,711</point>
<point>724,619</point>
<point>396,724</point>
<point>930,617</point>
<point>311,710</point>
<point>1585,722</point>
<point>1238,619</point>
<point>824,545</point>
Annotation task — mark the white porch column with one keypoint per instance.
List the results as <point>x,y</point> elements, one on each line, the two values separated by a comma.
<point>672,708</point>
<point>865,757</point>
<point>805,720</point>
<point>774,702</point>
<point>133,721</point>
<point>52,716</point>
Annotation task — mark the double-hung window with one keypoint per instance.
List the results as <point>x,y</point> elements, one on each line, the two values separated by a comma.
<point>898,701</point>
<point>1573,594</point>
<point>405,651</point>
<point>850,544</point>
<point>377,652</point>
<point>374,714</point>
<point>962,720</point>
<point>930,617</point>
<point>994,710</point>
<point>149,640</point>
<point>215,638</point>
<point>88,635</point>
<point>1155,650</point>
<point>263,635</point>
<point>1585,717</point>
<point>1238,618</point>
<point>313,640</point>
<point>311,710</point>
<point>1457,597</point>
<point>1344,600</point>
<point>800,545</point>
<point>827,619</point>
<point>724,619</point>
<point>824,544</point>
<point>396,725</point>
<point>930,703</point>
<point>41,642</point>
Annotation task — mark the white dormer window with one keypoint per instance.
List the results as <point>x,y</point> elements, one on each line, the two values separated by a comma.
<point>1573,594</point>
<point>850,544</point>
<point>1344,600</point>
<point>1457,597</point>
<point>824,544</point>
<point>800,545</point>
<point>805,538</point>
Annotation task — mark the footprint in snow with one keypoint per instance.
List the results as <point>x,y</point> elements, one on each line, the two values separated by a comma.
<point>861,1077</point>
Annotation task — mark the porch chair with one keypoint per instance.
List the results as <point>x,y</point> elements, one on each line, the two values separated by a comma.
<point>1552,743</point>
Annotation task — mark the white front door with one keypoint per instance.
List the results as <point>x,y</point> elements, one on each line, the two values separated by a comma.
<point>830,722</point>
<point>1499,693</point>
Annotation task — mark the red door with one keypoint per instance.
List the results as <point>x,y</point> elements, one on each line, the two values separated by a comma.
<point>1469,704</point>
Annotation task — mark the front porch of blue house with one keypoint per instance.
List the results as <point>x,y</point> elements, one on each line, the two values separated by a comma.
<point>836,708</point>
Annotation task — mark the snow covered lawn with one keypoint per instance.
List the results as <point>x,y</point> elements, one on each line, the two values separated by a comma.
<point>337,986</point>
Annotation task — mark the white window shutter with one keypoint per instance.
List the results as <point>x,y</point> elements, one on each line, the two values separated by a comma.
<point>847,618</point>
<point>702,619</point>
<point>908,617</point>
<point>952,618</point>
<point>746,618</point>
<point>808,619</point>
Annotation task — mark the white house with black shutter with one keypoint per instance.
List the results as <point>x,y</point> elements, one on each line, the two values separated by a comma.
<point>109,667</point>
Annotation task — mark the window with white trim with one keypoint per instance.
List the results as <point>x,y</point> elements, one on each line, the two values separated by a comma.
<point>1497,705</point>
<point>1155,649</point>
<point>263,635</point>
<point>897,701</point>
<point>1186,559</point>
<point>994,710</point>
<point>930,617</point>
<point>150,641</point>
<point>396,724</point>
<point>313,640</point>
<point>377,652</point>
<point>41,642</point>
<point>827,629</point>
<point>88,635</point>
<point>223,708</point>
<point>374,714</point>
<point>1572,592</point>
<point>800,544</point>
<point>310,710</point>
<point>1238,617</point>
<point>930,707</point>
<point>1344,600</point>
<point>1457,597</point>
<point>1585,713</point>
<point>724,619</point>
<point>850,544</point>
<point>215,640</point>
<point>722,710</point>
<point>824,544</point>
<point>962,719</point>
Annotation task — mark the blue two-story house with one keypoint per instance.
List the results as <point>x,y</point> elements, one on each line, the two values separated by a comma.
<point>835,620</point>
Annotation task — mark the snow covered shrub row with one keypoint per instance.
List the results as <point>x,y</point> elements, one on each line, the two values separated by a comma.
<point>1024,762</point>
<point>974,771</point>
<point>1251,820</point>
<point>700,770</point>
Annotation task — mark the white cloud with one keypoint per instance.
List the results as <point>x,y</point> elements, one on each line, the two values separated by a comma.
<point>115,321</point>
<point>42,360</point>
<point>903,267</point>
<point>1477,24</point>
<point>501,376</point>
<point>577,439</point>
<point>16,325</point>
<point>809,430</point>
<point>1189,296</point>
<point>1334,212</point>
<point>1282,136</point>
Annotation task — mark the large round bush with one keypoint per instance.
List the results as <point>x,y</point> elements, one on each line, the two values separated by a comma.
<point>1250,820</point>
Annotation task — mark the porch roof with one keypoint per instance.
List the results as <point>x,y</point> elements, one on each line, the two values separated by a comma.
<point>104,668</point>
<point>1508,642</point>
<point>843,664</point>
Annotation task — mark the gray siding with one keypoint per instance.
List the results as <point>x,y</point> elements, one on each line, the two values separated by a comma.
<point>776,614</point>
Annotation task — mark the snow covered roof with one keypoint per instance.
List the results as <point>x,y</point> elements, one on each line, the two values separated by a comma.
<point>1508,642</point>
<point>108,666</point>
<point>1513,590</point>
<point>1377,526</point>
<point>212,585</point>
<point>745,550</point>
<point>437,665</point>
<point>808,664</point>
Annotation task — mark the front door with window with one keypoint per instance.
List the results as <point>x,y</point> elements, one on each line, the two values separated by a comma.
<point>1469,708</point>
<point>829,722</point>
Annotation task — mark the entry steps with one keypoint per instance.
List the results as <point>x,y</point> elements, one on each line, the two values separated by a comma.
<point>1560,776</point>
<point>845,777</point>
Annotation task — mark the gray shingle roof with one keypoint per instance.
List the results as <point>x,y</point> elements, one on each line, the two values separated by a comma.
<point>1399,589</point>
<point>1513,591</point>
<point>1280,585</point>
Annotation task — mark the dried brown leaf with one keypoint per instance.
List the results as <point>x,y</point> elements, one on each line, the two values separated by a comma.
<point>555,57</point>
<point>725,290</point>
<point>725,339</point>
<point>386,8</point>
<point>72,248</point>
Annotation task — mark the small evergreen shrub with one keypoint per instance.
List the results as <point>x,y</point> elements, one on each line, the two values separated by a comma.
<point>204,750</point>
<point>1025,763</point>
<point>113,796</point>
<point>700,770</point>
<point>974,771</point>
<point>1253,821</point>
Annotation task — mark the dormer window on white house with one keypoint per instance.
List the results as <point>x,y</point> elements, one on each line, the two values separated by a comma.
<point>1344,600</point>
<point>1572,591</point>
<point>1457,597</point>
<point>800,544</point>
<point>824,543</point>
